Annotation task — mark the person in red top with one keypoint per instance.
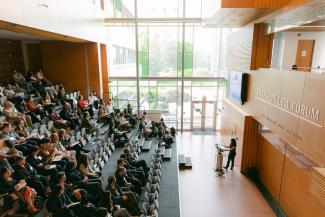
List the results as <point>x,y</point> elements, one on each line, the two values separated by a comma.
<point>83,105</point>
<point>36,109</point>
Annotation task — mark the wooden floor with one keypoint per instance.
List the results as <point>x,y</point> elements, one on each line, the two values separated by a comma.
<point>203,194</point>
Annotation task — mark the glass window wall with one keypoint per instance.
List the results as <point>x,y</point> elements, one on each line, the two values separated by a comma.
<point>160,67</point>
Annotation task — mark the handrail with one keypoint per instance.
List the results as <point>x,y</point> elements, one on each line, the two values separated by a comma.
<point>312,69</point>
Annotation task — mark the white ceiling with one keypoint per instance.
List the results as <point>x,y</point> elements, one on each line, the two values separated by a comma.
<point>236,17</point>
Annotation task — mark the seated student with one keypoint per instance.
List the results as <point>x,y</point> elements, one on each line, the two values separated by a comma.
<point>131,168</point>
<point>47,103</point>
<point>123,124</point>
<point>103,117</point>
<point>13,115</point>
<point>85,208</point>
<point>24,171</point>
<point>93,100</point>
<point>125,181</point>
<point>143,129</point>
<point>20,80</point>
<point>22,131</point>
<point>21,107</point>
<point>89,126</point>
<point>154,129</point>
<point>127,200</point>
<point>11,91</point>
<point>7,155</point>
<point>171,130</point>
<point>16,190</point>
<point>109,107</point>
<point>68,115</point>
<point>30,77</point>
<point>163,124</point>
<point>85,169</point>
<point>59,122</point>
<point>166,137</point>
<point>61,96</point>
<point>129,109</point>
<point>65,141</point>
<point>40,164</point>
<point>126,114</point>
<point>59,149</point>
<point>60,204</point>
<point>36,109</point>
<point>111,209</point>
<point>118,135</point>
<point>12,139</point>
<point>39,75</point>
<point>92,185</point>
<point>134,162</point>
<point>101,212</point>
<point>133,120</point>
<point>83,105</point>
<point>52,156</point>
<point>145,118</point>
<point>132,171</point>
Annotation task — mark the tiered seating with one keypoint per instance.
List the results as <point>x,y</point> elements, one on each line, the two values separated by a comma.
<point>100,147</point>
<point>151,204</point>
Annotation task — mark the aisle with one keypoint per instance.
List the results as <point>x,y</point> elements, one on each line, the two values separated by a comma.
<point>205,195</point>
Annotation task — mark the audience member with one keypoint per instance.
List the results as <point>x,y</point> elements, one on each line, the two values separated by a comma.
<point>84,106</point>
<point>12,115</point>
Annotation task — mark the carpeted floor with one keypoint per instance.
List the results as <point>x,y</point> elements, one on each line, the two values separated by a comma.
<point>169,204</point>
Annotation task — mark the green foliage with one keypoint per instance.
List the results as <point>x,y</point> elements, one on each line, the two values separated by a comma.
<point>143,64</point>
<point>118,6</point>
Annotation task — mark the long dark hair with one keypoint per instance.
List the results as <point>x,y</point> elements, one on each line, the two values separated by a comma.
<point>233,142</point>
<point>83,160</point>
<point>3,170</point>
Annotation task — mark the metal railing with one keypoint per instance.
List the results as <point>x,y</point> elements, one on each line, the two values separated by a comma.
<point>303,69</point>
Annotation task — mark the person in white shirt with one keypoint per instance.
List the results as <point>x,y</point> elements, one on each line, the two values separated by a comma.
<point>92,98</point>
<point>109,107</point>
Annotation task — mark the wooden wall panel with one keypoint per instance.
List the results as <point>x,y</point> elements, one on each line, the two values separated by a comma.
<point>64,63</point>
<point>260,3</point>
<point>285,172</point>
<point>294,190</point>
<point>11,58</point>
<point>104,61</point>
<point>93,68</point>
<point>250,144</point>
<point>72,64</point>
<point>270,160</point>
<point>34,56</point>
<point>262,47</point>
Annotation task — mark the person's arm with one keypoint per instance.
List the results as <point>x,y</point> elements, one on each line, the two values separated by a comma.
<point>84,171</point>
<point>91,171</point>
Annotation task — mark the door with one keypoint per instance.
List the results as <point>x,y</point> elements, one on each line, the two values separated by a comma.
<point>203,114</point>
<point>304,54</point>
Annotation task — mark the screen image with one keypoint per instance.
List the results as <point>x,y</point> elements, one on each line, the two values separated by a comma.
<point>238,86</point>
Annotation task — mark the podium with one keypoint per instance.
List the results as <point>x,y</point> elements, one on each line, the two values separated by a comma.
<point>219,160</point>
